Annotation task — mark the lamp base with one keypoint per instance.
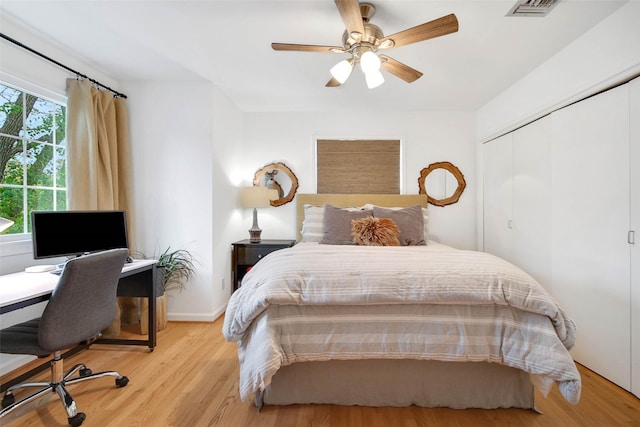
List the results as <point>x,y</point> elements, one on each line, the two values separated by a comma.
<point>255,231</point>
<point>254,235</point>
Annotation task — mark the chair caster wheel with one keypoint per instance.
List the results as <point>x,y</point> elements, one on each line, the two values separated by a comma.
<point>121,382</point>
<point>85,372</point>
<point>8,400</point>
<point>77,419</point>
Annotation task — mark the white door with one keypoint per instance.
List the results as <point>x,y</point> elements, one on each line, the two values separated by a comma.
<point>590,222</point>
<point>532,200</point>
<point>497,196</point>
<point>634,162</point>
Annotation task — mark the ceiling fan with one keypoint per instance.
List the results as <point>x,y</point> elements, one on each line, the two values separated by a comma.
<point>362,40</point>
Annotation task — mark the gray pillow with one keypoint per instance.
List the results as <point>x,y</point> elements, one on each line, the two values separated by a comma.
<point>409,221</point>
<point>337,225</point>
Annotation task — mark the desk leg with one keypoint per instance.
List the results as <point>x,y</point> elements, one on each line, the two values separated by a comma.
<point>141,284</point>
<point>152,309</point>
<point>152,323</point>
<point>152,333</point>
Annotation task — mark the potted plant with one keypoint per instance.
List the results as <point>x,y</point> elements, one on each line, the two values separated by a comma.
<point>173,270</point>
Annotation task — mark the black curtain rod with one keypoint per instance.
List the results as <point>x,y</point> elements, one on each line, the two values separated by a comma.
<point>77,73</point>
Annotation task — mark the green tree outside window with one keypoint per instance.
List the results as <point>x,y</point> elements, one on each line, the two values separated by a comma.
<point>32,156</point>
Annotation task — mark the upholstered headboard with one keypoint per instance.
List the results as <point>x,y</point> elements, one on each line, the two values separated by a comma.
<point>345,200</point>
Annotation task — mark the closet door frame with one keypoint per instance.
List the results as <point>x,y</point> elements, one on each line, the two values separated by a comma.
<point>634,237</point>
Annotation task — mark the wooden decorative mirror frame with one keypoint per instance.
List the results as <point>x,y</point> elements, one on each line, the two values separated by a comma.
<point>278,166</point>
<point>422,183</point>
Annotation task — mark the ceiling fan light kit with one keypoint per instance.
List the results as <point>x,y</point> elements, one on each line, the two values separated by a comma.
<point>342,70</point>
<point>369,62</point>
<point>362,40</point>
<point>374,79</point>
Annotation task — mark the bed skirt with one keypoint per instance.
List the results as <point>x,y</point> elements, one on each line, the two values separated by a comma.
<point>433,384</point>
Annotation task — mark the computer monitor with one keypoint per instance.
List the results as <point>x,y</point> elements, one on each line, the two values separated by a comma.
<point>74,233</point>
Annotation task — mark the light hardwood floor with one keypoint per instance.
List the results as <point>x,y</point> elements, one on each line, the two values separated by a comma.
<point>191,379</point>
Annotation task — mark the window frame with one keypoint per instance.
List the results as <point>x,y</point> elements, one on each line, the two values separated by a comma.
<point>16,243</point>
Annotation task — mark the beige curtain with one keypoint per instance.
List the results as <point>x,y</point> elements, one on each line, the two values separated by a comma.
<point>98,152</point>
<point>99,164</point>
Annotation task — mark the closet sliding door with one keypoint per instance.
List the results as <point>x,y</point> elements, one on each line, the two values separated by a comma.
<point>497,157</point>
<point>532,200</point>
<point>590,222</point>
<point>517,197</point>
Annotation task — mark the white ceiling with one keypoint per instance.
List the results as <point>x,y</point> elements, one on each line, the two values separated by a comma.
<point>229,44</point>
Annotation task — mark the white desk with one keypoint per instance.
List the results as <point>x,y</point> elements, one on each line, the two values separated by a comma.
<point>19,290</point>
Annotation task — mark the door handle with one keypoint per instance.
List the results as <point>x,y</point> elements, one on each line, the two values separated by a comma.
<point>631,237</point>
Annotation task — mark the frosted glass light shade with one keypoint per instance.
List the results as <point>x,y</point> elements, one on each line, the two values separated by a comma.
<point>369,62</point>
<point>374,79</point>
<point>342,70</point>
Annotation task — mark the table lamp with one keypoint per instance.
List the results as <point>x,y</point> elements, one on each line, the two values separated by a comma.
<point>5,223</point>
<point>256,197</point>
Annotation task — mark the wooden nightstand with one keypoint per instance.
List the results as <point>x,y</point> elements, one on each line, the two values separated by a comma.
<point>246,254</point>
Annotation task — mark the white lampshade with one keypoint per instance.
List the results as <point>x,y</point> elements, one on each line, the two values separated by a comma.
<point>342,70</point>
<point>374,79</point>
<point>5,223</point>
<point>257,197</point>
<point>369,62</point>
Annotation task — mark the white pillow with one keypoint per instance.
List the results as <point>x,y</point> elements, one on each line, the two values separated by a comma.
<point>313,223</point>
<point>312,230</point>
<point>425,218</point>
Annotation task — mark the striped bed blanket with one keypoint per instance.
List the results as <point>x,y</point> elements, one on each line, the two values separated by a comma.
<point>318,302</point>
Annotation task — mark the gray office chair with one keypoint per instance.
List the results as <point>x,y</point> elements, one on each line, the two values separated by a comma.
<point>82,304</point>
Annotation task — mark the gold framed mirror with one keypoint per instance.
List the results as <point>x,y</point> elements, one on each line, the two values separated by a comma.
<point>435,181</point>
<point>279,177</point>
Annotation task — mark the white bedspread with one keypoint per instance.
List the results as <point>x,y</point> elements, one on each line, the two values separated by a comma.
<point>320,302</point>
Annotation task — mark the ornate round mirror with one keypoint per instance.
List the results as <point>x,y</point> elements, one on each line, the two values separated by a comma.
<point>279,177</point>
<point>442,182</point>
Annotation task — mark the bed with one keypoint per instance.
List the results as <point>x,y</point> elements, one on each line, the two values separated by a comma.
<point>417,324</point>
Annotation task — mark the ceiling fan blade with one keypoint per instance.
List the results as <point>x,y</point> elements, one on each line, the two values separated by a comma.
<point>333,83</point>
<point>399,69</point>
<point>306,48</point>
<point>436,28</point>
<point>351,16</point>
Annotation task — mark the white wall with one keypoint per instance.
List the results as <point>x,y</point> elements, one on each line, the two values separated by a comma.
<point>183,136</point>
<point>227,178</point>
<point>426,137</point>
<point>31,70</point>
<point>604,55</point>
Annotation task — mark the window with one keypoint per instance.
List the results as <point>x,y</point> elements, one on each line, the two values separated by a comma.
<point>358,166</point>
<point>32,156</point>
